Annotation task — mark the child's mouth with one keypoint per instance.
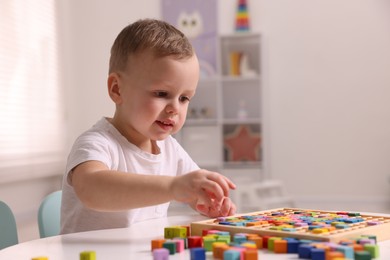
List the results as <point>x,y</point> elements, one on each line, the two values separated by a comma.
<point>166,125</point>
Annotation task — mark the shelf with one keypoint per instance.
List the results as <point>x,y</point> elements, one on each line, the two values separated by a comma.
<point>226,121</point>
<point>244,165</point>
<point>237,79</point>
<point>242,36</point>
<point>239,121</point>
<point>240,54</point>
<point>201,122</point>
<point>223,130</point>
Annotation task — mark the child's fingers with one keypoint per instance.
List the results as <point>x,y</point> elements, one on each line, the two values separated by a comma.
<point>230,183</point>
<point>232,210</point>
<point>213,190</point>
<point>225,207</point>
<point>206,199</point>
<point>228,208</point>
<point>223,182</point>
<point>203,209</point>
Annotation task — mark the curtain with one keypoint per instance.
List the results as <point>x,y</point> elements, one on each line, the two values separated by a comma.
<point>31,105</point>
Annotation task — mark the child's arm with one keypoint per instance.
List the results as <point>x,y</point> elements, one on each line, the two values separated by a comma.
<point>105,190</point>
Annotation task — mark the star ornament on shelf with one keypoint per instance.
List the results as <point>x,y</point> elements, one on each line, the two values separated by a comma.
<point>243,144</point>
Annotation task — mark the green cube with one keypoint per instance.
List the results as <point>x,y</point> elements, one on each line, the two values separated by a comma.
<point>372,249</point>
<point>171,246</point>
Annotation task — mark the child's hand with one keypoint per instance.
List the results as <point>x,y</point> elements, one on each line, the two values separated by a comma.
<point>227,208</point>
<point>209,188</point>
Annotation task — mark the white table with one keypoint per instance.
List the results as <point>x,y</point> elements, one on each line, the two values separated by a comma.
<point>124,243</point>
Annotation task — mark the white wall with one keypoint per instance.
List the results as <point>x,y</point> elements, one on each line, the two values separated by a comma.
<point>328,85</point>
<point>326,88</point>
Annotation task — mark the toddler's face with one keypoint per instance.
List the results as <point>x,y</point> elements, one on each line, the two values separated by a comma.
<point>155,93</point>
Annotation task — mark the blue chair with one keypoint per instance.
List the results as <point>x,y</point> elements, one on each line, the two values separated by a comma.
<point>8,229</point>
<point>49,215</point>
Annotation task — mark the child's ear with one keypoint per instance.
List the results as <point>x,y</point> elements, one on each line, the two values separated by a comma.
<point>114,87</point>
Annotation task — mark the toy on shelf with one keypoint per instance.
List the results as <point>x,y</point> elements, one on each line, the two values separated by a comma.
<point>242,16</point>
<point>239,65</point>
<point>200,113</point>
<point>242,112</point>
<point>242,145</point>
<point>245,69</point>
<point>235,63</point>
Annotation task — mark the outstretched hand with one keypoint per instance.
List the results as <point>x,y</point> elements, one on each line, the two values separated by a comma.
<point>206,191</point>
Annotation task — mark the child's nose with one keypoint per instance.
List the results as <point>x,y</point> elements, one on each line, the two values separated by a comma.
<point>172,107</point>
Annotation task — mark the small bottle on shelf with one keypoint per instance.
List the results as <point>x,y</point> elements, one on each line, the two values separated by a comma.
<point>242,113</point>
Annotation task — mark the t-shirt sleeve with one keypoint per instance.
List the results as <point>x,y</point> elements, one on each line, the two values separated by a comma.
<point>88,147</point>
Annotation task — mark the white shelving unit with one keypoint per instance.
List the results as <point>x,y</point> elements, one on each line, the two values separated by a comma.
<point>224,104</point>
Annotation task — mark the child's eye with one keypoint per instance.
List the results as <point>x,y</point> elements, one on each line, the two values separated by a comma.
<point>184,99</point>
<point>161,94</point>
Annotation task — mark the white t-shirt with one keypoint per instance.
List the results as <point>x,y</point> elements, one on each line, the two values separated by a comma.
<point>104,143</point>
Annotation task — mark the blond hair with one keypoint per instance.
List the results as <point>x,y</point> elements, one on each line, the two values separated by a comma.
<point>161,38</point>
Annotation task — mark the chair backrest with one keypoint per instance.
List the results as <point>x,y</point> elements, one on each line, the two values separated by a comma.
<point>49,215</point>
<point>8,229</point>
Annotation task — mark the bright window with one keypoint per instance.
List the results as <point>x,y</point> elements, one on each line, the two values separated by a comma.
<point>31,107</point>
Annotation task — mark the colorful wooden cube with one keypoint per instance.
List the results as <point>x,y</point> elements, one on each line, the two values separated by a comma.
<point>280,246</point>
<point>197,253</point>
<point>88,255</point>
<point>171,246</point>
<point>195,241</point>
<point>157,243</point>
<point>160,254</point>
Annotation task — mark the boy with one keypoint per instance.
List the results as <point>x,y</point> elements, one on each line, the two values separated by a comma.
<point>127,168</point>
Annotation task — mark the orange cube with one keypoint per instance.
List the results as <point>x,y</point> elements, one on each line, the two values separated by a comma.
<point>333,255</point>
<point>280,246</point>
<point>157,243</point>
<point>358,247</point>
<point>258,241</point>
<point>251,255</point>
<point>218,249</point>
